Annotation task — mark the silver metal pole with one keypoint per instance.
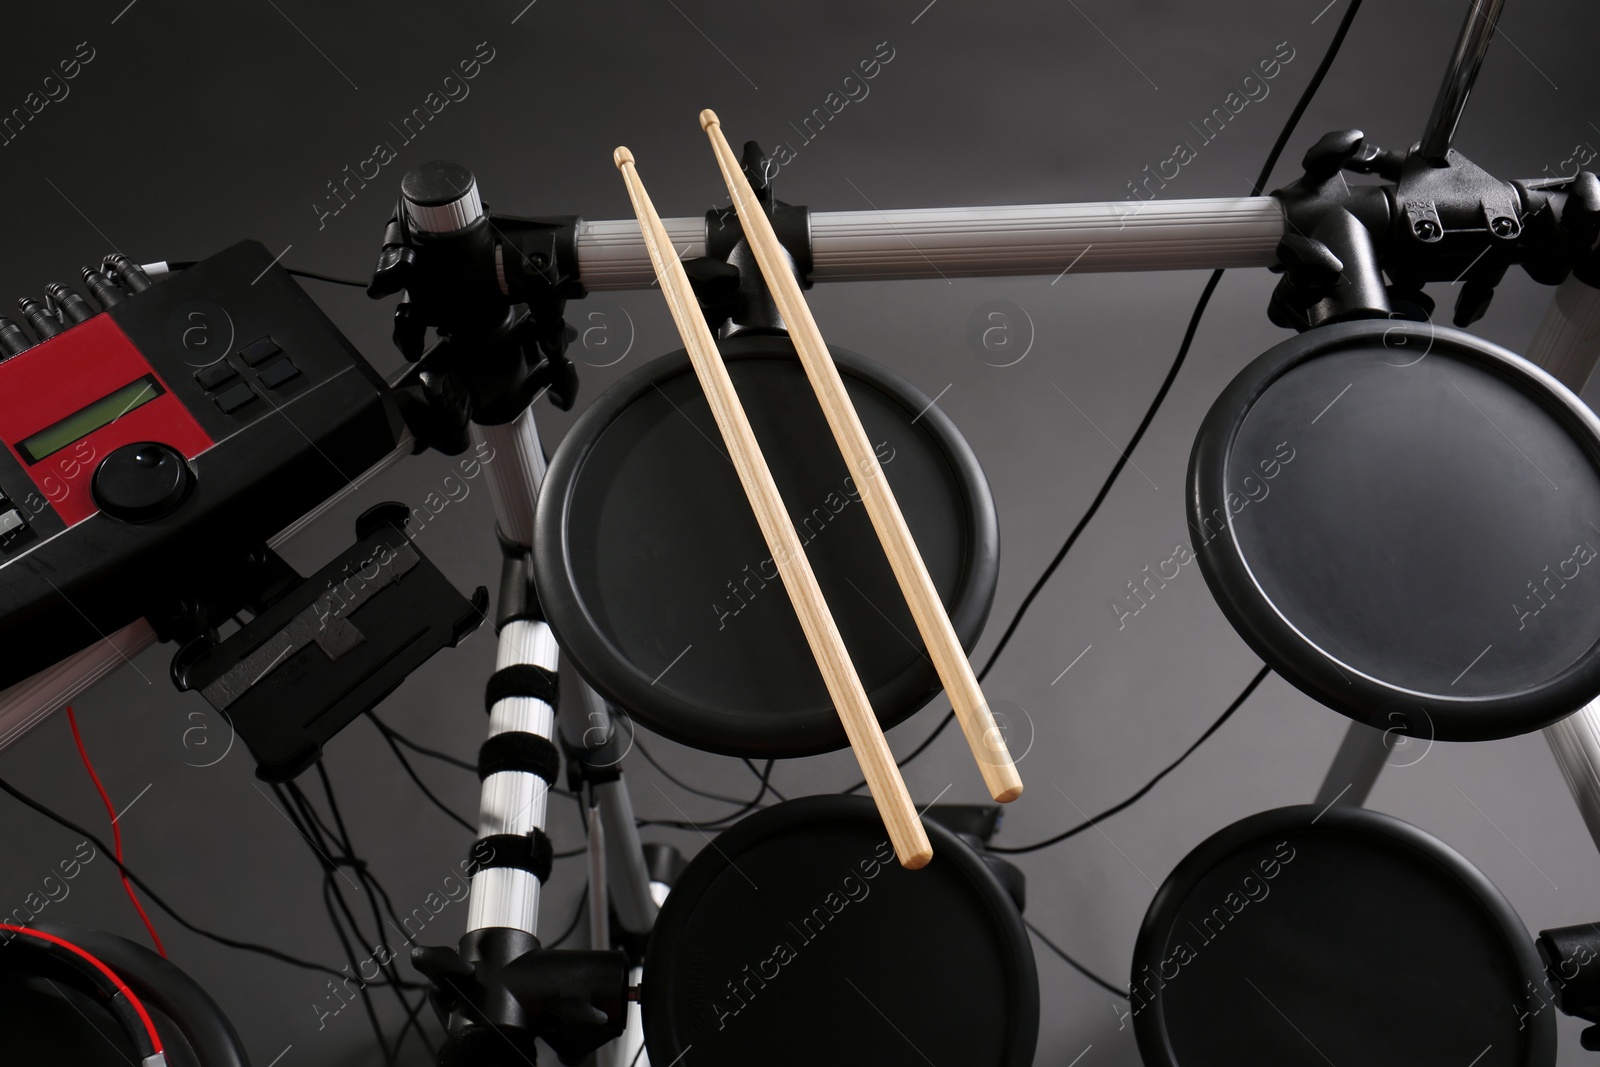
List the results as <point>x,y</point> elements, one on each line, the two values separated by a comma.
<point>1034,239</point>
<point>1567,342</point>
<point>1355,768</point>
<point>1575,743</point>
<point>629,879</point>
<point>1473,44</point>
<point>967,242</point>
<point>514,802</point>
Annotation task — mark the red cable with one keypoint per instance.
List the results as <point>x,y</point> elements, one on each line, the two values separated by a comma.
<point>122,987</point>
<point>116,832</point>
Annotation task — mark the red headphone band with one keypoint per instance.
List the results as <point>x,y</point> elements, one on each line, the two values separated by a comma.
<point>78,957</point>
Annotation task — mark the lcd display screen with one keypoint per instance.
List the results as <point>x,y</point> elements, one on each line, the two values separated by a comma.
<point>81,424</point>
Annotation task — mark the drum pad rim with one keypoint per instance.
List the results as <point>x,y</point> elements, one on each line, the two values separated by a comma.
<point>718,857</point>
<point>1277,641</point>
<point>608,670</point>
<point>1339,820</point>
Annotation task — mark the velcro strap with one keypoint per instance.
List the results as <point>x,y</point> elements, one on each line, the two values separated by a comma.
<point>517,750</point>
<point>529,852</point>
<point>521,680</point>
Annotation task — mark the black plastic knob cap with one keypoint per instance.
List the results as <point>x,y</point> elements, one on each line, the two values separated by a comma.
<point>142,482</point>
<point>441,197</point>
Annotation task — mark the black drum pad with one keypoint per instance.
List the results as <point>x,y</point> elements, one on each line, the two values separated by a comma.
<point>659,586</point>
<point>796,940</point>
<point>1403,520</point>
<point>1299,939</point>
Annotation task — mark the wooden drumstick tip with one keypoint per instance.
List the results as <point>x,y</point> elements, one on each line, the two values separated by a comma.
<point>708,119</point>
<point>918,860</point>
<point>622,157</point>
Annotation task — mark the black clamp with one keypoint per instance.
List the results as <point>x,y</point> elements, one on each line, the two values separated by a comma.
<point>1571,958</point>
<point>494,292</point>
<point>1329,265</point>
<point>503,990</point>
<point>726,280</point>
<point>330,646</point>
<point>1439,221</point>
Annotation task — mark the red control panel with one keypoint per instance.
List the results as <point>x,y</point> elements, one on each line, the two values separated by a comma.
<point>68,402</point>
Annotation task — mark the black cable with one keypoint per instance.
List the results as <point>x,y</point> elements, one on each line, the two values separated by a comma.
<point>414,1018</point>
<point>340,841</point>
<point>243,946</point>
<point>295,807</point>
<point>1305,97</point>
<point>675,780</point>
<point>325,277</point>
<point>421,750</point>
<point>720,822</point>
<point>1183,351</point>
<point>766,787</point>
<point>443,757</point>
<point>392,736</point>
<point>344,942</point>
<point>1074,964</point>
<point>583,906</point>
<point>411,772</point>
<point>1260,677</point>
<point>372,884</point>
<point>363,869</point>
<point>185,264</point>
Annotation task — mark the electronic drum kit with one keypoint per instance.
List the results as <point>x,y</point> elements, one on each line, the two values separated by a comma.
<point>765,546</point>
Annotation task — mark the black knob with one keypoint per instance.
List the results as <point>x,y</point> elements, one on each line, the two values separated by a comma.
<point>1329,155</point>
<point>440,197</point>
<point>142,482</point>
<point>1308,264</point>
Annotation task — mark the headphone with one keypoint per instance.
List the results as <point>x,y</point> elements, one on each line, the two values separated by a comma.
<point>135,986</point>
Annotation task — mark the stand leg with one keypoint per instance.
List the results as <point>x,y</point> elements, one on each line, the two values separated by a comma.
<point>503,908</point>
<point>1476,35</point>
<point>599,899</point>
<point>1575,743</point>
<point>514,802</point>
<point>1567,341</point>
<point>1567,344</point>
<point>629,880</point>
<point>1361,756</point>
<point>601,746</point>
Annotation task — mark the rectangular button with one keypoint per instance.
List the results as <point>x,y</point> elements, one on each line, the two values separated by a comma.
<point>280,372</point>
<point>235,398</point>
<point>11,522</point>
<point>258,352</point>
<point>214,375</point>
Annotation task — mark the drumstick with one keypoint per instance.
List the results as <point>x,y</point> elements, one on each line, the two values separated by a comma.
<point>960,684</point>
<point>838,672</point>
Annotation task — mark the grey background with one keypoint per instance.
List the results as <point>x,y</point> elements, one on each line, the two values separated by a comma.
<point>198,124</point>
